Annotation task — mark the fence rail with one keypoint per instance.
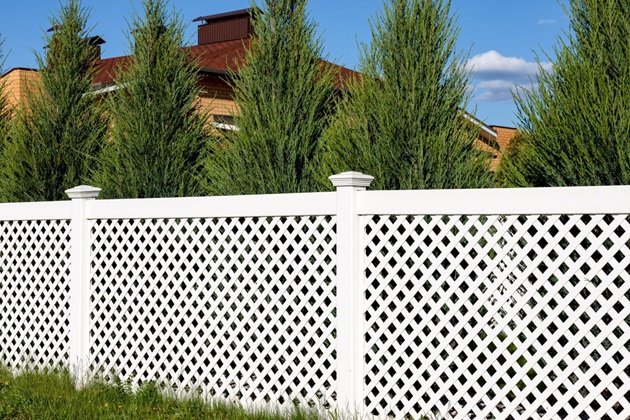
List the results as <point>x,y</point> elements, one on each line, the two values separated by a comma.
<point>504,201</point>
<point>275,205</point>
<point>59,210</point>
<point>461,304</point>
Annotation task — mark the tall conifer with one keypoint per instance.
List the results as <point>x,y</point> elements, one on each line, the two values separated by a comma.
<point>402,121</point>
<point>284,94</point>
<point>576,121</point>
<point>158,135</point>
<point>60,129</point>
<point>5,111</point>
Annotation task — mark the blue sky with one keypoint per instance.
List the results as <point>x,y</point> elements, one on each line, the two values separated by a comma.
<point>502,37</point>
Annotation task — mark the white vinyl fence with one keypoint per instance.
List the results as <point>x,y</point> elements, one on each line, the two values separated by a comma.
<point>511,304</point>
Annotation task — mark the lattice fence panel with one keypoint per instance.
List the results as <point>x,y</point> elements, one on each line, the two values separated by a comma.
<point>34,293</point>
<point>498,316</point>
<point>238,308</point>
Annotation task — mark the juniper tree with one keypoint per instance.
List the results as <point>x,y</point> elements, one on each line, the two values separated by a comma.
<point>5,112</point>
<point>402,121</point>
<point>158,134</point>
<point>59,129</point>
<point>576,120</point>
<point>284,93</point>
<point>509,172</point>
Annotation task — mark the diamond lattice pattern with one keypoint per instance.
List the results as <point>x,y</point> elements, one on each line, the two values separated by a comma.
<point>236,308</point>
<point>34,293</point>
<point>498,316</point>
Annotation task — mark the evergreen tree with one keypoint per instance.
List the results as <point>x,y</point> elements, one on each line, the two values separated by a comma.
<point>60,129</point>
<point>576,121</point>
<point>508,173</point>
<point>402,121</point>
<point>5,111</point>
<point>158,135</point>
<point>285,94</point>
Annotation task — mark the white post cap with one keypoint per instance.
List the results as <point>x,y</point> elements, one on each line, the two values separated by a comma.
<point>351,179</point>
<point>83,192</point>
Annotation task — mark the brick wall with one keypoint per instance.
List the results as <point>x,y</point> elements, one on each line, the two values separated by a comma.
<point>504,136</point>
<point>216,98</point>
<point>490,150</point>
<point>17,82</point>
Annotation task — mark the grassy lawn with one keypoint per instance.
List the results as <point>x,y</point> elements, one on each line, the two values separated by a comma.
<point>53,396</point>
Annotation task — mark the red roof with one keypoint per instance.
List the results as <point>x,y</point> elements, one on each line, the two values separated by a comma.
<point>106,69</point>
<point>219,57</point>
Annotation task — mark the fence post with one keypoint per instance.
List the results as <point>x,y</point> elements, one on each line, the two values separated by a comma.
<point>350,328</point>
<point>79,280</point>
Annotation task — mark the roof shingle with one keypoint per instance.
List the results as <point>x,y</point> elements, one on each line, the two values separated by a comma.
<point>219,58</point>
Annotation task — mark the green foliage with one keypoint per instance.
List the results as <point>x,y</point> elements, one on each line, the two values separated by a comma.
<point>576,122</point>
<point>52,395</point>
<point>60,130</point>
<point>402,120</point>
<point>158,135</point>
<point>509,172</point>
<point>284,92</point>
<point>5,112</point>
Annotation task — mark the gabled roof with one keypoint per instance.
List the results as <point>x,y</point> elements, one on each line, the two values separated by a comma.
<point>217,58</point>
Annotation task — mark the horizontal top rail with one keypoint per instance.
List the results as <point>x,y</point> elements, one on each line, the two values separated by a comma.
<point>301,204</point>
<point>43,210</point>
<point>562,200</point>
<point>503,201</point>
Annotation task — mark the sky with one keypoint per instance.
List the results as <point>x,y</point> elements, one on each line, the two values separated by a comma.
<point>501,38</point>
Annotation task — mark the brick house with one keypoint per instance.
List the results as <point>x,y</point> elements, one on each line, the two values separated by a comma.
<point>222,40</point>
<point>503,139</point>
<point>16,81</point>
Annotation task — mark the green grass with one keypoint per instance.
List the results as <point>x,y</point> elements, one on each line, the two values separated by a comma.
<point>52,395</point>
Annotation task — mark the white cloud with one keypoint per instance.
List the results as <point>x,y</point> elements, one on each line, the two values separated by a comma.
<point>498,75</point>
<point>495,84</point>
<point>546,22</point>
<point>491,65</point>
<point>498,90</point>
<point>495,95</point>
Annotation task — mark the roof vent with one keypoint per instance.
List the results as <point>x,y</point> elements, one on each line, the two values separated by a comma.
<point>224,27</point>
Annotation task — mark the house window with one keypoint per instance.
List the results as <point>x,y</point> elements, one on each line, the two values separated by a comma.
<point>224,122</point>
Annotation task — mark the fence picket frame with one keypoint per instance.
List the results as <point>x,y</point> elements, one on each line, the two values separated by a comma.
<point>382,269</point>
